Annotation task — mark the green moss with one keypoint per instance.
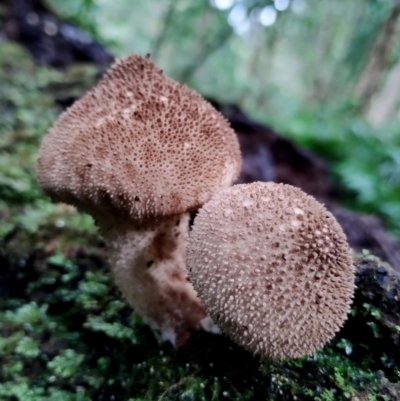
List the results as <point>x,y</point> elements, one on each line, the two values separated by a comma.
<point>27,109</point>
<point>104,349</point>
<point>66,364</point>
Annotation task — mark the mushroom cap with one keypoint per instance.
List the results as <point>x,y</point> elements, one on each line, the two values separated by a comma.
<point>272,267</point>
<point>139,144</point>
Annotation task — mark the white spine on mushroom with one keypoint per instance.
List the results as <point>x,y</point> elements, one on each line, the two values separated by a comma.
<point>149,266</point>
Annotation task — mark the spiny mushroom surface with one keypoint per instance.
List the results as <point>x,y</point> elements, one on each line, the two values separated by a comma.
<point>138,144</point>
<point>272,267</point>
<point>138,152</point>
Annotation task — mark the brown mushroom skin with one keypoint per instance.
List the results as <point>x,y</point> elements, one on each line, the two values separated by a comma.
<point>139,152</point>
<point>272,267</point>
<point>149,266</point>
<point>138,144</point>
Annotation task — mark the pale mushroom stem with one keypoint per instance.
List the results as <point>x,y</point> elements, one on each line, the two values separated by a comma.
<point>149,266</point>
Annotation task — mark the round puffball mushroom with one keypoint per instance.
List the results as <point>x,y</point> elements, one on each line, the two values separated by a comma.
<point>273,268</point>
<point>139,152</point>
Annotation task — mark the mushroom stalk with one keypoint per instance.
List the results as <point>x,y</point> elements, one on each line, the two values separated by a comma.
<point>149,266</point>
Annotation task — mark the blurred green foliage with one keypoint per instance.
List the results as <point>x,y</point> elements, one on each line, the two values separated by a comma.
<point>365,160</point>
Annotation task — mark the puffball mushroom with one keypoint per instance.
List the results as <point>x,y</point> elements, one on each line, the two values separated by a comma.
<point>272,267</point>
<point>139,152</point>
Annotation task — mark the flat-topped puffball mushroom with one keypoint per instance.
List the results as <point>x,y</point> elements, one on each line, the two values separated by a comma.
<point>138,152</point>
<point>273,268</point>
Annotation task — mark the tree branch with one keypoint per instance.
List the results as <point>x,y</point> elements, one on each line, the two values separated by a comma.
<point>167,20</point>
<point>204,54</point>
<point>370,77</point>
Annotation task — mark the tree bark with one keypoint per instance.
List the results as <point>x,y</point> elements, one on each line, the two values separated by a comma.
<point>378,59</point>
<point>384,105</point>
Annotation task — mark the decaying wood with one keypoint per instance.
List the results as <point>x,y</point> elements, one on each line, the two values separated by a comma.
<point>50,40</point>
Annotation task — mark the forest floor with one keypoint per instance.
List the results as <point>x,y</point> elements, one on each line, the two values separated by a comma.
<point>65,332</point>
